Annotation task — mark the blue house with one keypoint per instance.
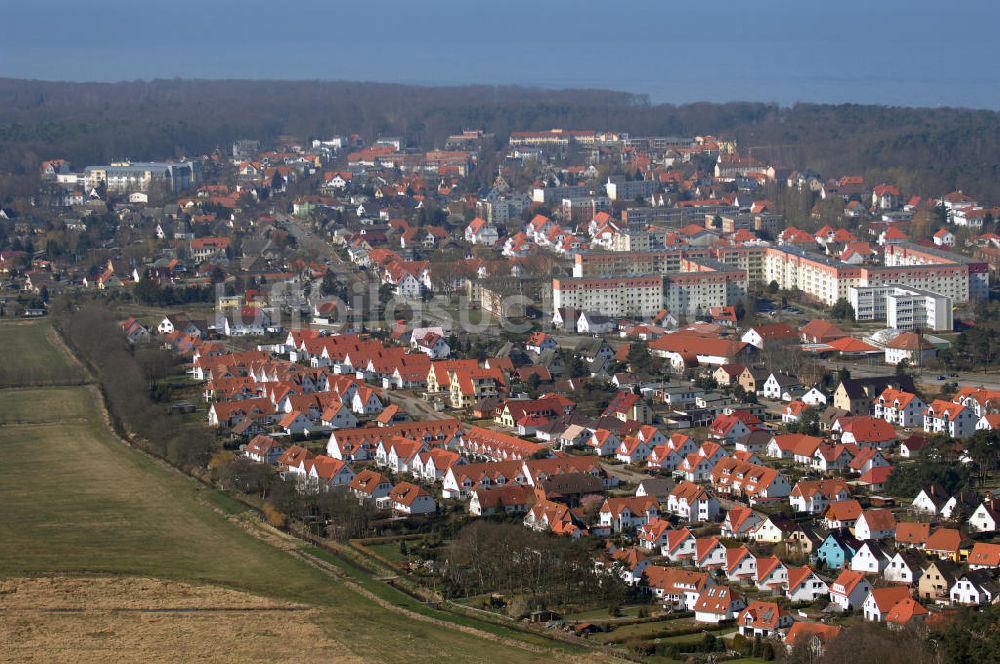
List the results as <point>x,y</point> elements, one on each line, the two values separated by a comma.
<point>838,548</point>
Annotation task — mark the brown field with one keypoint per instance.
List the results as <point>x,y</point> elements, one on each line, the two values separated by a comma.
<point>104,620</point>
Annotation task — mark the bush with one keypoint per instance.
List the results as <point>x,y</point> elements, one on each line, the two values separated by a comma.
<point>273,516</point>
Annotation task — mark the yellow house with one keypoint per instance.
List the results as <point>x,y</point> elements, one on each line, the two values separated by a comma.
<point>468,386</point>
<point>937,579</point>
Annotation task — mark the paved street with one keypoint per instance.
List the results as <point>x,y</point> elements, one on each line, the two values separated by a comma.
<point>416,406</point>
<point>923,377</point>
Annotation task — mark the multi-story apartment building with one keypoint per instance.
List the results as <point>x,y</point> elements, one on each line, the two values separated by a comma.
<point>584,208</point>
<point>828,280</point>
<point>631,241</point>
<point>702,284</point>
<point>628,190</point>
<point>140,176</point>
<point>903,308</point>
<point>695,286</point>
<point>967,276</point>
<point>820,277</point>
<point>620,264</point>
<point>555,137</point>
<point>611,296</point>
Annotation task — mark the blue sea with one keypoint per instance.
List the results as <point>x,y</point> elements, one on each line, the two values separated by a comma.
<point>895,52</point>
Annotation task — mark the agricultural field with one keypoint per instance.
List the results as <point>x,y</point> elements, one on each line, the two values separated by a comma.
<point>80,504</point>
<point>29,358</point>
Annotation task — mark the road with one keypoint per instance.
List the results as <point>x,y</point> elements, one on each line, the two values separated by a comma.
<point>923,376</point>
<point>417,408</point>
<point>309,241</point>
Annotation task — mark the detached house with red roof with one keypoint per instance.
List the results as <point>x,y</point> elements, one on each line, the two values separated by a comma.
<point>410,499</point>
<point>732,427</point>
<point>741,565</point>
<point>763,619</point>
<point>850,590</point>
<point>813,496</point>
<point>479,231</point>
<point>772,574</point>
<point>815,636</point>
<point>881,601</point>
<point>901,408</point>
<point>677,588</point>
<point>325,472</point>
<point>953,419</point>
<point>771,335</point>
<point>865,432</point>
<point>718,603</point>
<point>624,514</point>
<point>692,502</point>
<point>739,522</point>
<point>984,555</point>
<point>633,450</point>
<point>264,449</point>
<point>370,484</point>
<point>366,402</point>
<point>804,585</point>
<point>879,524</point>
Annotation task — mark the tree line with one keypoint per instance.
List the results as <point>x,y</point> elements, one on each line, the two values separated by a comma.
<point>924,150</point>
<point>130,379</point>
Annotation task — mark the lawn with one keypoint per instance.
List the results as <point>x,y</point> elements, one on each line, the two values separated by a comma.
<point>79,502</point>
<point>388,550</point>
<point>29,358</point>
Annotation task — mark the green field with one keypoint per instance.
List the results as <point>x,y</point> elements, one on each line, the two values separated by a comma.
<point>80,502</point>
<point>30,359</point>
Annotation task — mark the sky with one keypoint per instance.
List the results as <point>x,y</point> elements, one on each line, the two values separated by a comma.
<point>895,52</point>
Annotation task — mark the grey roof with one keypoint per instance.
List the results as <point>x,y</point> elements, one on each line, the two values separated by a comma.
<point>657,486</point>
<point>983,580</point>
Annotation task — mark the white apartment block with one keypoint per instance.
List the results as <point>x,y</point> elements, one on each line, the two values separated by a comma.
<point>615,296</point>
<point>971,279</point>
<point>902,308</point>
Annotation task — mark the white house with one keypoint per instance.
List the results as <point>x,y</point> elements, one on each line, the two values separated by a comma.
<point>717,603</point>
<point>366,402</point>
<point>479,231</point>
<point>954,419</point>
<point>594,323</point>
<point>710,553</point>
<point>680,545</point>
<point>410,499</point>
<point>905,567</point>
<point>850,590</point>
<point>975,588</point>
<point>901,408</point>
<point>804,585</point>
<point>871,558</point>
<point>944,238</point>
<point>880,601</point>
<point>986,517</point>
<point>875,524</point>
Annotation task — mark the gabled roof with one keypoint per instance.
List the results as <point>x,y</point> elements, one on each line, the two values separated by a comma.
<point>912,532</point>
<point>804,632</point>
<point>843,510</point>
<point>879,519</point>
<point>944,539</point>
<point>905,611</point>
<point>798,575</point>
<point>762,614</point>
<point>985,554</point>
<point>716,599</point>
<point>888,597</point>
<point>848,580</point>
